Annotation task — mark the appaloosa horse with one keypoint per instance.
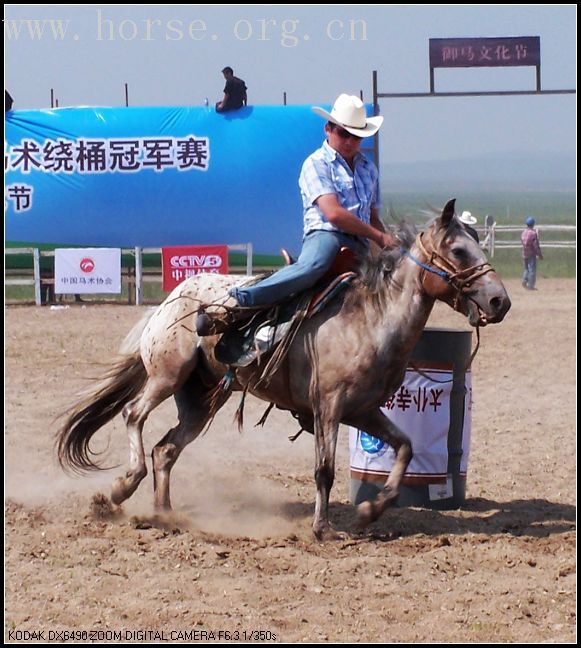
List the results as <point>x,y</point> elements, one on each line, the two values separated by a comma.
<point>341,367</point>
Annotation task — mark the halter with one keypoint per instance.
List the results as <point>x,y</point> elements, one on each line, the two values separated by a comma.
<point>460,280</point>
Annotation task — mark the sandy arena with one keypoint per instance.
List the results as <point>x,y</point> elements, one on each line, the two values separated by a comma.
<point>238,556</point>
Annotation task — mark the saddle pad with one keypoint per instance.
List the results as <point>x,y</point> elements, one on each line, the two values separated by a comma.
<point>238,346</point>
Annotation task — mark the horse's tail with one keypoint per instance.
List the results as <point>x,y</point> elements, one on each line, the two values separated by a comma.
<point>100,404</point>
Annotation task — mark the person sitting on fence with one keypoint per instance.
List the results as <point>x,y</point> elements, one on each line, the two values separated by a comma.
<point>235,95</point>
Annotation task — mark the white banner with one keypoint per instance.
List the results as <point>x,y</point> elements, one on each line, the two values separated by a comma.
<point>421,409</point>
<point>87,270</point>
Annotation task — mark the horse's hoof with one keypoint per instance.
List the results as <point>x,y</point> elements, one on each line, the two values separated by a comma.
<point>118,491</point>
<point>102,508</point>
<point>328,534</point>
<point>366,514</point>
<point>388,497</point>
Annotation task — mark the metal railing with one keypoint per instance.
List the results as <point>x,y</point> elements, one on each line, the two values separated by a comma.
<point>491,242</point>
<point>24,279</point>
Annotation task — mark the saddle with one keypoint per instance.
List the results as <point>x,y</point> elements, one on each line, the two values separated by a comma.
<point>246,341</point>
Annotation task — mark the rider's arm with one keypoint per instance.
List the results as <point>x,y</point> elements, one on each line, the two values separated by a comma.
<point>346,222</point>
<point>375,220</point>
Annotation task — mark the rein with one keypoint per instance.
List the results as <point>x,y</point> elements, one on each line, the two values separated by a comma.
<point>422,373</point>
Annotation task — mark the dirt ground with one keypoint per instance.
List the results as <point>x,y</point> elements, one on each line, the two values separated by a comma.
<point>237,559</point>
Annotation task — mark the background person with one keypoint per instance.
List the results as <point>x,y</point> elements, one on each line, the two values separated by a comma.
<point>531,249</point>
<point>234,92</point>
<point>468,221</point>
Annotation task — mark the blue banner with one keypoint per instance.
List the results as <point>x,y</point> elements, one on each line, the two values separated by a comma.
<point>152,177</point>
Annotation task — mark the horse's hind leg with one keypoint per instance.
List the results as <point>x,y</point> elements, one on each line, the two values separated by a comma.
<point>378,425</point>
<point>194,410</point>
<point>135,414</point>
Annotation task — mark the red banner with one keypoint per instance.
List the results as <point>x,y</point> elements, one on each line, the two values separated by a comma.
<point>183,262</point>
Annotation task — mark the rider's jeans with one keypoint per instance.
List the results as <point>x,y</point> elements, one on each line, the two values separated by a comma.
<point>320,247</point>
<point>529,278</point>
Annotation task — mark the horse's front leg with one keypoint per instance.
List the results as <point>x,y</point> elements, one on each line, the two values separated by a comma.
<point>326,426</point>
<point>379,426</point>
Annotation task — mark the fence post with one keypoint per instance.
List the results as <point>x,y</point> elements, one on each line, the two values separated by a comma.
<point>138,273</point>
<point>36,266</point>
<point>249,259</point>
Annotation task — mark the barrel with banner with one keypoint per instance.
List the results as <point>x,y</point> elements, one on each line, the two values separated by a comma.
<point>433,407</point>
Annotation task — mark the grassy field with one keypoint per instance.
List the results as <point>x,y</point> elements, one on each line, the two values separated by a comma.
<point>508,208</point>
<point>549,208</point>
<point>557,263</point>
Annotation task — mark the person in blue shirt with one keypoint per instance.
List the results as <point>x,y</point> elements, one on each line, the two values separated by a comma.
<point>340,193</point>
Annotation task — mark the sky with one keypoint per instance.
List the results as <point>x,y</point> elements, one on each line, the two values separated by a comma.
<point>172,55</point>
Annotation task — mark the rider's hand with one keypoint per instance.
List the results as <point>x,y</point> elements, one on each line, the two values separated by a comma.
<point>388,240</point>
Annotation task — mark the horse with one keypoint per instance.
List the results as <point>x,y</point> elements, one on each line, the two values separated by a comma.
<point>341,366</point>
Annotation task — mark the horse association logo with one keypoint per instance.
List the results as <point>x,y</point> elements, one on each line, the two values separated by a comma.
<point>87,265</point>
<point>370,444</point>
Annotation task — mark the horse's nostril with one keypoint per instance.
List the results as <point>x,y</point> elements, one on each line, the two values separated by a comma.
<point>500,305</point>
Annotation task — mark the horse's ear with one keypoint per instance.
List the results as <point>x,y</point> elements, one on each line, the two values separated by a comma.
<point>448,212</point>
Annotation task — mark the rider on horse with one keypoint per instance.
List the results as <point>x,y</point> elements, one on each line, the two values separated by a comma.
<point>340,192</point>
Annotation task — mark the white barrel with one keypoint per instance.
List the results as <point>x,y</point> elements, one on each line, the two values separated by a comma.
<point>433,407</point>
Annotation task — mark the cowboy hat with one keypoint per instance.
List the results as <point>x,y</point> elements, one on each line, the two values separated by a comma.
<point>468,219</point>
<point>349,113</point>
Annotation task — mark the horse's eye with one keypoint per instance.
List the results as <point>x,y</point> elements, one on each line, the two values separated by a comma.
<point>459,252</point>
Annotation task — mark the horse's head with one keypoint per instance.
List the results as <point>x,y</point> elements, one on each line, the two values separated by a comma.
<point>455,270</point>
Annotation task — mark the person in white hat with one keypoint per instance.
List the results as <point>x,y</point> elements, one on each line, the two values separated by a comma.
<point>468,220</point>
<point>340,192</point>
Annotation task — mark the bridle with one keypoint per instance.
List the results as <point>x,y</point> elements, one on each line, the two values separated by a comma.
<point>459,280</point>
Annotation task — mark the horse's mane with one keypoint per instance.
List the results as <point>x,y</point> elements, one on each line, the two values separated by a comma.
<point>375,270</point>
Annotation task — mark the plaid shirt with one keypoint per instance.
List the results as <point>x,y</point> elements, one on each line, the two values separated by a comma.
<point>326,172</point>
<point>530,243</point>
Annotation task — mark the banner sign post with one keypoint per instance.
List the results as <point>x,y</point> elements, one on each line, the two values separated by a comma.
<point>87,270</point>
<point>182,262</point>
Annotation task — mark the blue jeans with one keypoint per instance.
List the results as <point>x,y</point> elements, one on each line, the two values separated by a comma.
<point>319,250</point>
<point>529,278</point>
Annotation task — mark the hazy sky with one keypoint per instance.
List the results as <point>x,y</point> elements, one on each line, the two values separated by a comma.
<point>172,55</point>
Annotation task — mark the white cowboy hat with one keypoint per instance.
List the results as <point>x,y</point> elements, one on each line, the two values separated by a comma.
<point>349,112</point>
<point>468,219</point>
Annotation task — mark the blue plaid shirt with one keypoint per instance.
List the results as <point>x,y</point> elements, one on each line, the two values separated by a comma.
<point>326,172</point>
